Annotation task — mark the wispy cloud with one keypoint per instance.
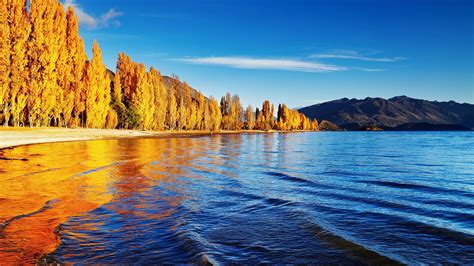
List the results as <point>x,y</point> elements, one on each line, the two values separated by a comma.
<point>106,19</point>
<point>271,64</point>
<point>259,63</point>
<point>354,55</point>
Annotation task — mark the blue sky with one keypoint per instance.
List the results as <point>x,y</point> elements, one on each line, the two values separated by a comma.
<point>300,52</point>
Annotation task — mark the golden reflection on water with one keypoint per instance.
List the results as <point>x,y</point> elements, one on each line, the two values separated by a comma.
<point>42,186</point>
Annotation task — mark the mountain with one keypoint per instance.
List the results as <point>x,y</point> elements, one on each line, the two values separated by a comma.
<point>397,113</point>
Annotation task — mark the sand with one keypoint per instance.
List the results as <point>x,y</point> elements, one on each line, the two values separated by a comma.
<point>17,136</point>
<point>11,137</point>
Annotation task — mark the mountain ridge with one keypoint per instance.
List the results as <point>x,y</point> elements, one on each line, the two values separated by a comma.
<point>357,114</point>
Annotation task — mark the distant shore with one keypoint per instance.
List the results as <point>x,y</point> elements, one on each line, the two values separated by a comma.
<point>18,136</point>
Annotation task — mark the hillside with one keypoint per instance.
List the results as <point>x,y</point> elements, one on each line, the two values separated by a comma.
<point>169,83</point>
<point>354,114</point>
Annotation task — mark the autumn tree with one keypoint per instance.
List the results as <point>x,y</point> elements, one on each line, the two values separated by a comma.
<point>216,115</point>
<point>186,112</point>
<point>232,112</point>
<point>161,99</point>
<point>116,101</point>
<point>225,111</point>
<point>142,98</point>
<point>59,39</point>
<point>4,56</point>
<point>17,85</point>
<point>182,114</point>
<point>236,113</point>
<point>98,90</point>
<point>207,116</point>
<point>267,116</point>
<point>249,118</point>
<point>172,117</point>
<point>43,56</point>
<point>315,125</point>
<point>74,89</point>
<point>46,79</point>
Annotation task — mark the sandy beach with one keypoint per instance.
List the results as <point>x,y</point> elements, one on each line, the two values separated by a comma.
<point>11,137</point>
<point>17,136</point>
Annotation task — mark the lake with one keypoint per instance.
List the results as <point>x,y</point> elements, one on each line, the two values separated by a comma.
<point>319,198</point>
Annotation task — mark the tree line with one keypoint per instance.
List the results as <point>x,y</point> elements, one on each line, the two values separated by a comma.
<point>46,79</point>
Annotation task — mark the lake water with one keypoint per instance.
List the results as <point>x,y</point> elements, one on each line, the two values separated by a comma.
<point>329,197</point>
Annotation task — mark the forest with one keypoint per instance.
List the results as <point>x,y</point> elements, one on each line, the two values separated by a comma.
<point>46,79</point>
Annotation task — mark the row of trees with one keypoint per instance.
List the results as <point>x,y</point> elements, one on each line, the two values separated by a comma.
<point>46,79</point>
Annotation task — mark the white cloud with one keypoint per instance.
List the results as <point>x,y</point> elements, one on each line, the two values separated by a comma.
<point>258,63</point>
<point>354,55</point>
<point>110,17</point>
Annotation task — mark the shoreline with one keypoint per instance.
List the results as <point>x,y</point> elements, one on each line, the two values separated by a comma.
<point>19,136</point>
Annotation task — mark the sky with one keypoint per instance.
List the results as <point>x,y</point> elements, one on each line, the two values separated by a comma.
<point>298,52</point>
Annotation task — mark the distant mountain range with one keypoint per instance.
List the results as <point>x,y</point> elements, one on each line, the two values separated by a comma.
<point>398,113</point>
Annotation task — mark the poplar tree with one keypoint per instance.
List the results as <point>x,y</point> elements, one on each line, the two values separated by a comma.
<point>249,118</point>
<point>59,36</point>
<point>203,114</point>
<point>207,118</point>
<point>98,90</point>
<point>266,116</point>
<point>141,97</point>
<point>187,115</point>
<point>46,79</point>
<point>182,113</point>
<point>19,31</point>
<point>216,115</point>
<point>43,57</point>
<point>172,116</point>
<point>236,113</point>
<point>4,56</point>
<point>74,89</point>
<point>161,100</point>
<point>116,101</point>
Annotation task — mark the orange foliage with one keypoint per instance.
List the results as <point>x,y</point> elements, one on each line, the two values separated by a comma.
<point>47,80</point>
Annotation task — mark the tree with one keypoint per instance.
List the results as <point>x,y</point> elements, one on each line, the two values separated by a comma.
<point>172,116</point>
<point>315,125</point>
<point>236,113</point>
<point>47,80</point>
<point>203,114</point>
<point>116,101</point>
<point>59,38</point>
<point>19,31</point>
<point>42,61</point>
<point>142,98</point>
<point>258,118</point>
<point>98,90</point>
<point>226,102</point>
<point>249,118</point>
<point>267,116</point>
<point>74,89</point>
<point>187,114</point>
<point>216,115</point>
<point>4,56</point>
<point>111,120</point>
<point>161,99</point>
<point>182,114</point>
<point>207,116</point>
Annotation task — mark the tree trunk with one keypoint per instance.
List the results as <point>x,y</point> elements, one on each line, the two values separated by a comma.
<point>6,114</point>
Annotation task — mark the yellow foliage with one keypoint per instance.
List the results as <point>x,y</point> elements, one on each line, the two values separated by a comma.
<point>111,119</point>
<point>98,90</point>
<point>46,79</point>
<point>4,51</point>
